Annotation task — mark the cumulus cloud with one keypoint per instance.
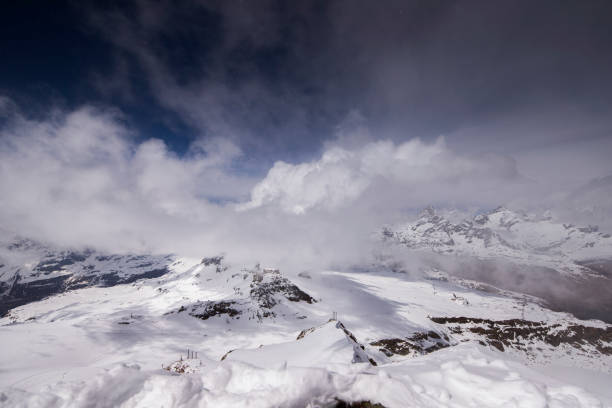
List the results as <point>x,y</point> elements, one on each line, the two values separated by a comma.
<point>331,181</point>
<point>80,177</point>
<point>414,168</point>
<point>83,178</point>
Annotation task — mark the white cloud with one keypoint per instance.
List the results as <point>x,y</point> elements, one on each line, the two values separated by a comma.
<point>342,176</point>
<point>330,182</point>
<point>82,178</point>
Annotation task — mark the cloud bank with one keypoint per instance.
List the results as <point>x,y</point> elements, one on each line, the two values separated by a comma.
<point>413,168</point>
<point>81,178</point>
<point>507,78</point>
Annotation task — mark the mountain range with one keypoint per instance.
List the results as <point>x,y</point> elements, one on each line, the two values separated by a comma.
<point>137,329</point>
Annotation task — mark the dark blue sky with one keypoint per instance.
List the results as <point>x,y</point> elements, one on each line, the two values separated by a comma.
<point>280,78</point>
<point>52,57</point>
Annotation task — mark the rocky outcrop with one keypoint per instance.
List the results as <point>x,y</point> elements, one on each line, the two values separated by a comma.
<point>263,297</point>
<point>522,334</point>
<point>356,404</point>
<point>265,293</point>
<point>206,310</point>
<point>415,345</point>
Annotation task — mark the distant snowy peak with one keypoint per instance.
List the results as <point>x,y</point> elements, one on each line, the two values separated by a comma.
<point>504,233</point>
<point>31,271</point>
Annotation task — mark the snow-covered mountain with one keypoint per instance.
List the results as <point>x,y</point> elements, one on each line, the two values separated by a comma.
<point>31,271</point>
<point>212,333</point>
<point>143,330</point>
<point>514,236</point>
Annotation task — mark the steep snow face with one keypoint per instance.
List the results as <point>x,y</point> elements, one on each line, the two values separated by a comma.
<point>328,345</point>
<point>30,271</point>
<point>504,234</point>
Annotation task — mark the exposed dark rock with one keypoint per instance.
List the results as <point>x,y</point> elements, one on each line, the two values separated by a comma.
<point>143,265</point>
<point>207,310</point>
<point>390,347</point>
<point>106,258</point>
<point>518,333</point>
<point>356,404</point>
<point>58,270</point>
<point>21,293</point>
<point>417,344</point>
<point>26,292</point>
<point>225,355</point>
<point>263,297</point>
<point>22,244</point>
<point>497,344</point>
<point>387,233</point>
<point>112,279</point>
<point>304,332</point>
<point>216,261</point>
<point>213,260</point>
<point>351,336</point>
<point>359,355</point>
<point>52,264</point>
<point>264,293</point>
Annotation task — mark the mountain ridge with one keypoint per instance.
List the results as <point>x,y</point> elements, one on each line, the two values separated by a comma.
<point>502,233</point>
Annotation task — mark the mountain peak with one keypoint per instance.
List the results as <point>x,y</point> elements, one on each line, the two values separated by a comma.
<point>514,235</point>
<point>427,212</point>
<point>500,209</point>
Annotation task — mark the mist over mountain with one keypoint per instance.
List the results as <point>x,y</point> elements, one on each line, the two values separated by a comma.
<point>306,204</point>
<point>566,265</point>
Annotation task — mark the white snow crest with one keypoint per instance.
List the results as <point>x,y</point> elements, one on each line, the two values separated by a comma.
<point>465,377</point>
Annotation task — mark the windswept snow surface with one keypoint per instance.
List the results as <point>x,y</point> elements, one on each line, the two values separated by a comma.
<point>463,377</point>
<point>266,340</point>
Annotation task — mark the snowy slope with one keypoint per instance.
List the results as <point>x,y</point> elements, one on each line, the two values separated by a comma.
<point>266,339</point>
<point>465,377</point>
<point>328,345</point>
<point>504,234</point>
<point>31,271</point>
